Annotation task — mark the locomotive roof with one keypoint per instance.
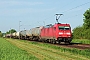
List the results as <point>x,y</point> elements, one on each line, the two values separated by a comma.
<point>50,25</point>
<point>59,24</point>
<point>47,26</point>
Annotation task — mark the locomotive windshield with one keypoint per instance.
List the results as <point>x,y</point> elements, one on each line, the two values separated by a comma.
<point>64,28</point>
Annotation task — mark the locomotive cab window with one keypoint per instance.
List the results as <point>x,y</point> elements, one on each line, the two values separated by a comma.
<point>64,28</point>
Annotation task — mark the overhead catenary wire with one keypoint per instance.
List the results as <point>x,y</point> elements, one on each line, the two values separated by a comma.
<point>72,9</point>
<point>72,16</point>
<point>76,7</point>
<point>67,4</point>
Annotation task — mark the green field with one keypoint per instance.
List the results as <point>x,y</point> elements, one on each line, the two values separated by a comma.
<point>10,52</point>
<point>26,50</point>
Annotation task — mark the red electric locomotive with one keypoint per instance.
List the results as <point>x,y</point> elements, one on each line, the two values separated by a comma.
<point>57,33</point>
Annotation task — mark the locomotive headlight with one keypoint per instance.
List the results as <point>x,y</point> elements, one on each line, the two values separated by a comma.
<point>68,33</point>
<point>60,33</point>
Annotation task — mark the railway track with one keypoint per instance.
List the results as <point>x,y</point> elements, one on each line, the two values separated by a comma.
<point>71,45</point>
<point>74,45</point>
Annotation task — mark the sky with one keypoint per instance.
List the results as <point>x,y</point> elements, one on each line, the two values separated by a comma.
<point>33,13</point>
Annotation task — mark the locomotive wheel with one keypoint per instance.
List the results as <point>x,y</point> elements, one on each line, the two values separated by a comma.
<point>67,42</point>
<point>53,41</point>
<point>59,41</point>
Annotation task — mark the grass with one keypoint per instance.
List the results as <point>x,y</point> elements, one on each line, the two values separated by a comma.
<point>85,53</point>
<point>83,41</point>
<point>10,52</point>
<point>44,51</point>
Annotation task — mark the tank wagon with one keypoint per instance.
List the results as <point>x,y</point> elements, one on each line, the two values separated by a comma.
<point>8,35</point>
<point>28,34</point>
<point>14,35</point>
<point>23,34</point>
<point>34,33</point>
<point>17,35</point>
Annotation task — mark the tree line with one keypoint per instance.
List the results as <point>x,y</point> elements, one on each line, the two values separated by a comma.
<point>8,32</point>
<point>83,32</point>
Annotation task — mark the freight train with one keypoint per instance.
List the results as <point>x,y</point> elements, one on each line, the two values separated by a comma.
<point>56,33</point>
